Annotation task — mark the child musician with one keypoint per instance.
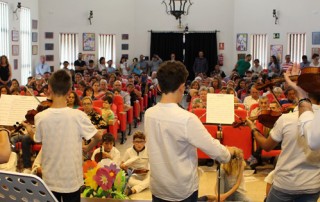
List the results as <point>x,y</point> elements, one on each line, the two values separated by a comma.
<point>108,151</point>
<point>136,158</point>
<point>61,129</point>
<point>232,181</point>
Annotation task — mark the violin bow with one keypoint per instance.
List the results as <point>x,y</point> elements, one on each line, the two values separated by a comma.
<point>31,92</point>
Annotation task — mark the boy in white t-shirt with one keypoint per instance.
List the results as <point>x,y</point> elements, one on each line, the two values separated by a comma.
<point>136,158</point>
<point>107,150</point>
<point>60,129</point>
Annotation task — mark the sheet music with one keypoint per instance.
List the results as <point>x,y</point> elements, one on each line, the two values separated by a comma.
<point>13,108</point>
<point>220,108</point>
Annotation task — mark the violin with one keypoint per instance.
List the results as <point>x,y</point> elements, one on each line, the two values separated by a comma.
<point>266,118</point>
<point>309,80</point>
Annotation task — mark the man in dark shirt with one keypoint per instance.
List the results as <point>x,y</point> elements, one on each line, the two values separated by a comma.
<point>80,65</point>
<point>200,64</point>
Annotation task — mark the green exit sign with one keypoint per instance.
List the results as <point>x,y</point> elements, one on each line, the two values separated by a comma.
<point>276,35</point>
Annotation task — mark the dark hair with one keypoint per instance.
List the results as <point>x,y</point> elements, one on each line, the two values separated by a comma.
<point>256,60</point>
<point>84,94</point>
<point>108,98</point>
<point>60,82</point>
<point>275,60</point>
<point>108,138</point>
<point>139,134</point>
<point>304,57</point>
<point>171,75</point>
<point>102,58</point>
<point>6,87</point>
<point>287,90</point>
<point>248,55</point>
<point>91,61</point>
<point>77,101</point>
<point>315,55</point>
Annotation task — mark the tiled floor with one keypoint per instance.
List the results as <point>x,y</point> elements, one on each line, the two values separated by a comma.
<point>254,183</point>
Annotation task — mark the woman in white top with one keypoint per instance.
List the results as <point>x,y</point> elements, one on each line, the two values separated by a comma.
<point>124,67</point>
<point>315,60</point>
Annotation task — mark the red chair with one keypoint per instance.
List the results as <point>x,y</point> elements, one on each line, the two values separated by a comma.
<point>238,137</point>
<point>97,103</point>
<point>136,112</point>
<point>145,99</point>
<point>122,116</point>
<point>212,129</point>
<point>79,93</point>
<point>240,113</point>
<point>201,114</point>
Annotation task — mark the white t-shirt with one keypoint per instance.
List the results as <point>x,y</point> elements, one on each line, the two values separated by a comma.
<point>141,159</point>
<point>61,131</point>
<point>293,173</point>
<point>173,136</point>
<point>248,101</point>
<point>114,153</point>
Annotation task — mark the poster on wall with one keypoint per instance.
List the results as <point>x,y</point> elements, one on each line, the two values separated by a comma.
<point>15,64</point>
<point>277,50</point>
<point>87,57</point>
<point>15,35</point>
<point>89,41</point>
<point>315,50</point>
<point>242,40</point>
<point>34,49</point>
<point>315,38</point>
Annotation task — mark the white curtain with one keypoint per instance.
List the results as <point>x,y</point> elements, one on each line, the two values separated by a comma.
<point>4,29</point>
<point>25,44</point>
<point>259,48</point>
<point>296,46</point>
<point>68,48</point>
<point>107,47</point>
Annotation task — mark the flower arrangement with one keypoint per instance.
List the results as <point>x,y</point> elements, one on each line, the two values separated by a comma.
<point>103,181</point>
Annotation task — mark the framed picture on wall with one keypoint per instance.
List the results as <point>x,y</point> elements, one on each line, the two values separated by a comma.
<point>34,49</point>
<point>89,41</point>
<point>125,36</point>
<point>15,50</point>
<point>48,46</point>
<point>49,58</point>
<point>34,36</point>
<point>125,56</point>
<point>277,50</point>
<point>15,35</point>
<point>34,24</point>
<point>48,35</point>
<point>87,57</point>
<point>15,64</point>
<point>241,56</point>
<point>125,46</point>
<point>242,40</point>
<point>315,50</point>
<point>315,38</point>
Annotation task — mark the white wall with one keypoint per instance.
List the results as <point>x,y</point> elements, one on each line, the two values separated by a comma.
<point>14,24</point>
<point>133,17</point>
<point>295,16</point>
<point>136,17</point>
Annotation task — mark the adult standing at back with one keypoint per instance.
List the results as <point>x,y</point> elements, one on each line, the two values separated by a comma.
<point>243,65</point>
<point>42,67</point>
<point>200,64</point>
<point>5,71</point>
<point>174,134</point>
<point>80,65</point>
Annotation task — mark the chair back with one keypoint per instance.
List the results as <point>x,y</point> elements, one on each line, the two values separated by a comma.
<point>201,114</point>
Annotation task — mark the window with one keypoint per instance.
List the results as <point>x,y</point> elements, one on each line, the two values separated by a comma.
<point>296,46</point>
<point>68,48</point>
<point>259,48</point>
<point>25,42</point>
<point>4,29</point>
<point>107,47</point>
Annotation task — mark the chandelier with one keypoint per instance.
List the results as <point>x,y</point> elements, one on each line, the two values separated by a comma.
<point>177,8</point>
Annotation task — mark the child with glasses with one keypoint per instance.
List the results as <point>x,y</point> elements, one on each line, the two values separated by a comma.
<point>136,159</point>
